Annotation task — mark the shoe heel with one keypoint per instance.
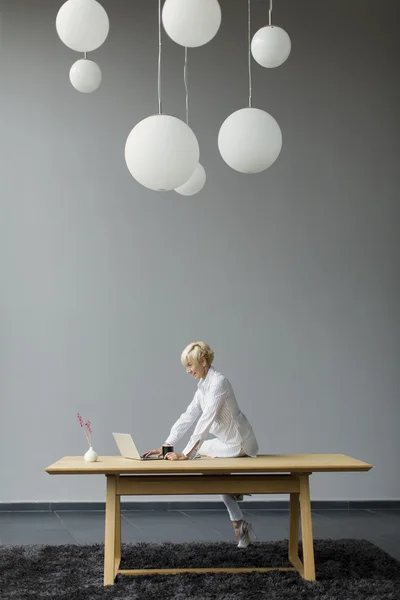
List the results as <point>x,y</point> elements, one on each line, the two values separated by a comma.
<point>251,533</point>
<point>246,537</point>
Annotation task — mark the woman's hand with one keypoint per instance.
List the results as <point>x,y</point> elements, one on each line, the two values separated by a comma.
<point>175,456</point>
<point>156,451</point>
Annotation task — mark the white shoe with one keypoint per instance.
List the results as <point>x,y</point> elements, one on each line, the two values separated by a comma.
<point>246,535</point>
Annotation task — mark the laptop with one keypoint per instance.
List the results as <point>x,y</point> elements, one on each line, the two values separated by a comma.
<point>128,449</point>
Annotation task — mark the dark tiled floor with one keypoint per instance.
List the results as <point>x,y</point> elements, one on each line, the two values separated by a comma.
<point>84,527</point>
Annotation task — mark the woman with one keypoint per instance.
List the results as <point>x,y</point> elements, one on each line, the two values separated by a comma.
<point>216,411</point>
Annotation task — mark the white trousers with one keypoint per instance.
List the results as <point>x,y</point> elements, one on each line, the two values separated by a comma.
<point>217,448</point>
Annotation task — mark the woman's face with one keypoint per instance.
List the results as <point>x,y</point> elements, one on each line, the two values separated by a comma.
<point>198,370</point>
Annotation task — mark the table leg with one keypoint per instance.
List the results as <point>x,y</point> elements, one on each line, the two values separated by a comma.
<point>112,534</point>
<point>294,530</point>
<point>306,528</point>
<point>117,534</point>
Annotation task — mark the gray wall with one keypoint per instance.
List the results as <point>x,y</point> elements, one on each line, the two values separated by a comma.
<point>290,275</point>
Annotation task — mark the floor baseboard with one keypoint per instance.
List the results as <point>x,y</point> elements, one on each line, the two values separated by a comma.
<point>199,505</point>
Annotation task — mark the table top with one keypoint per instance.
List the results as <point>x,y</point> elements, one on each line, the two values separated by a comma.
<point>264,463</point>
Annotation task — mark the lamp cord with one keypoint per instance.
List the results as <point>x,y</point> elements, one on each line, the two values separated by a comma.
<point>249,49</point>
<point>270,12</point>
<point>185,79</point>
<point>159,59</point>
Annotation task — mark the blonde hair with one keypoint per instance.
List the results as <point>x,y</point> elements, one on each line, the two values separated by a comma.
<point>195,352</point>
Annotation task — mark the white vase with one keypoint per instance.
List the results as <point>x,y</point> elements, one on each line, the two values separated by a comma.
<point>91,455</point>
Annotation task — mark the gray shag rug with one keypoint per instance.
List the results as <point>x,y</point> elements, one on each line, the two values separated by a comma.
<point>346,570</point>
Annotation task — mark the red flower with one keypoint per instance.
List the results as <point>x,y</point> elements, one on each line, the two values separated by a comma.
<point>86,428</point>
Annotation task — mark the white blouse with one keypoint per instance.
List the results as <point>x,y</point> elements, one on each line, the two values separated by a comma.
<point>216,411</point>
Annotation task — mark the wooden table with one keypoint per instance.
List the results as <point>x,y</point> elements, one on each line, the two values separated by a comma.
<point>266,474</point>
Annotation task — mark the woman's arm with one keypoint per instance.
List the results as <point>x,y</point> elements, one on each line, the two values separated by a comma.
<point>216,396</point>
<point>185,421</point>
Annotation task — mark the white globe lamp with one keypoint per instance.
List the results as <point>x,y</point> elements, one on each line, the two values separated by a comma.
<point>194,184</point>
<point>250,140</point>
<point>191,23</point>
<point>82,25</point>
<point>85,75</point>
<point>270,46</point>
<point>162,152</point>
